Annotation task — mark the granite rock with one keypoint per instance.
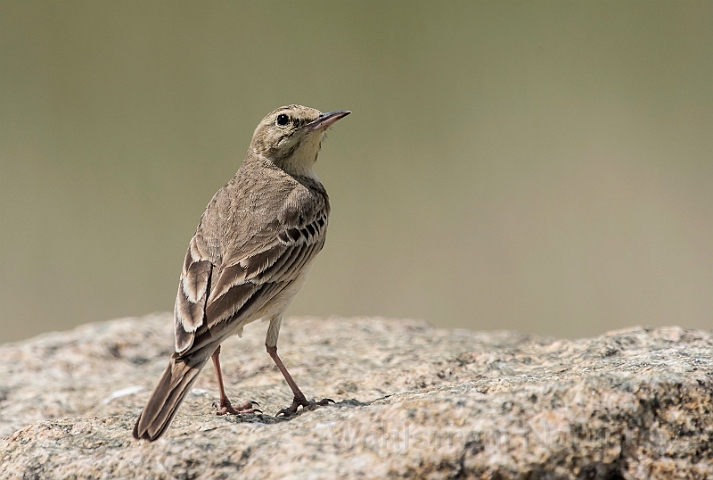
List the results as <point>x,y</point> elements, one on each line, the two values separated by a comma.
<point>412,401</point>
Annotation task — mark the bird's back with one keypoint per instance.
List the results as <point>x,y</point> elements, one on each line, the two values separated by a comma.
<point>241,216</point>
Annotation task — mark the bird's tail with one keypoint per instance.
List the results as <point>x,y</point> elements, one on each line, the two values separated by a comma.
<point>168,395</point>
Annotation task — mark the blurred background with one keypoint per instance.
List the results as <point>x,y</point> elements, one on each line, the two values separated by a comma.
<point>545,167</point>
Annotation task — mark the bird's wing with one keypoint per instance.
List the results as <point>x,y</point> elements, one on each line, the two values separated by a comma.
<point>210,295</point>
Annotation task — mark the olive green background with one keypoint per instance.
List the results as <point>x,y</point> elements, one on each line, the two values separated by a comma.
<point>545,167</point>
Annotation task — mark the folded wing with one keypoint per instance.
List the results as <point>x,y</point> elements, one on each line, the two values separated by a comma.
<point>214,298</point>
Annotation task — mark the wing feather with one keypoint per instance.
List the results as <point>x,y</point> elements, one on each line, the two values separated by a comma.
<point>217,292</point>
<point>260,262</point>
<point>228,304</point>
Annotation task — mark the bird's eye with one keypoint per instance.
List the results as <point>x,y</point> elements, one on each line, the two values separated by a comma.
<point>283,119</point>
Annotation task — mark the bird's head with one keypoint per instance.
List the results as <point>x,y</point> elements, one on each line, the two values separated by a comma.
<point>291,137</point>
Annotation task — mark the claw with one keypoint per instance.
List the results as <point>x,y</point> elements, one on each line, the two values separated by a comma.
<point>305,404</point>
<point>224,407</point>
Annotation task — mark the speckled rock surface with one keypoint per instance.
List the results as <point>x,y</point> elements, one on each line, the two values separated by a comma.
<point>412,401</point>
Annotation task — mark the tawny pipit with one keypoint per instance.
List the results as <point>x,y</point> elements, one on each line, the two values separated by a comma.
<point>250,255</point>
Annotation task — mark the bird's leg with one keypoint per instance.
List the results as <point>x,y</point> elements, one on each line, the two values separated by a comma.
<point>299,397</point>
<point>225,407</point>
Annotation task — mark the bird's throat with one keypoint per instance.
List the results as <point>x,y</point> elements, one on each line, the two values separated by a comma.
<point>303,158</point>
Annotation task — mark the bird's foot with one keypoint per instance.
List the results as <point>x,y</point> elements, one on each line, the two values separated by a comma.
<point>224,407</point>
<point>305,404</point>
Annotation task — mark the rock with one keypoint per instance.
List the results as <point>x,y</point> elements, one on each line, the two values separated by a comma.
<point>411,401</point>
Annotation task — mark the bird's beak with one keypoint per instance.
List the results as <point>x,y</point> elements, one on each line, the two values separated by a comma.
<point>326,120</point>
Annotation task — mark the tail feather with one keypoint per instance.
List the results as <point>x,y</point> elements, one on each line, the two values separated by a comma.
<point>168,395</point>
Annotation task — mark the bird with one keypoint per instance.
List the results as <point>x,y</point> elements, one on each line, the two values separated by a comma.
<point>251,253</point>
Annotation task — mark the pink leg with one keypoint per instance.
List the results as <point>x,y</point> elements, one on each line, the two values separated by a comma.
<point>225,407</point>
<point>299,397</point>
